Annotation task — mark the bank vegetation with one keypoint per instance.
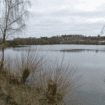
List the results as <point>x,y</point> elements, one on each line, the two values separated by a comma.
<point>47,87</point>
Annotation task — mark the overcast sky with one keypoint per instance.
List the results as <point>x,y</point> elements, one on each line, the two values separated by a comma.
<point>59,17</point>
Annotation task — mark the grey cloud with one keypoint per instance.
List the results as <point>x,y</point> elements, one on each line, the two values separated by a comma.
<point>50,24</point>
<point>89,29</point>
<point>54,17</point>
<point>37,14</point>
<point>94,14</point>
<point>51,21</point>
<point>48,21</point>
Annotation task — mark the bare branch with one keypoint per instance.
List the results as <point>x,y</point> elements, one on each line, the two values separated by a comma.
<point>14,14</point>
<point>1,30</point>
<point>16,4</point>
<point>28,2</point>
<point>17,19</point>
<point>16,30</point>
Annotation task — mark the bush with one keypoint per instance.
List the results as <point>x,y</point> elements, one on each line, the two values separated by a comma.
<point>50,88</point>
<point>12,43</point>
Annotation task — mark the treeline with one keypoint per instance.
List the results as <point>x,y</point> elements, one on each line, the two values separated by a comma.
<point>98,38</point>
<point>39,41</point>
<point>64,39</point>
<point>34,41</point>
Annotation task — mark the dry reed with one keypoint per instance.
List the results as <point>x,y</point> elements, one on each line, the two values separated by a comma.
<point>51,88</point>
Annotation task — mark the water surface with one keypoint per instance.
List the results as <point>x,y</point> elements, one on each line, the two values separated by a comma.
<point>89,60</point>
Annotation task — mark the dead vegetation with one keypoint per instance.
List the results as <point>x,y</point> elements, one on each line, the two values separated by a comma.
<point>50,89</point>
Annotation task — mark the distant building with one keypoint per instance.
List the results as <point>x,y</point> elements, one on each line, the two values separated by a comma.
<point>73,37</point>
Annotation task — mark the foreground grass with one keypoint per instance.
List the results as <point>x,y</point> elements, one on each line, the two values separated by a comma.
<point>51,88</point>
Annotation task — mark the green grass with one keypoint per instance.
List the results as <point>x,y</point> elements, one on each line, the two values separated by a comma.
<point>51,88</point>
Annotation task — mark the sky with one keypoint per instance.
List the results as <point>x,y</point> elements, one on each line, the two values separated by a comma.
<point>59,17</point>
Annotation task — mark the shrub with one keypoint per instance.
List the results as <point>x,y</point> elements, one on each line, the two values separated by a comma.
<point>50,88</point>
<point>25,75</point>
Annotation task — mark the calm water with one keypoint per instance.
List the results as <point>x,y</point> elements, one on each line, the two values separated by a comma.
<point>89,60</point>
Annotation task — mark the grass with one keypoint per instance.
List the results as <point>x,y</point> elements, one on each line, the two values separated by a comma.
<point>52,87</point>
<point>5,45</point>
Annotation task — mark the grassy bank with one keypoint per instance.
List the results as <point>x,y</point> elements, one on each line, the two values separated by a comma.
<point>9,45</point>
<point>52,87</point>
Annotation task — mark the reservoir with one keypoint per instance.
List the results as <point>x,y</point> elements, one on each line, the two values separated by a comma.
<point>88,60</point>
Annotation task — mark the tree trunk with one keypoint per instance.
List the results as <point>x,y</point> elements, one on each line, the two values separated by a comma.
<point>3,42</point>
<point>3,39</point>
<point>2,60</point>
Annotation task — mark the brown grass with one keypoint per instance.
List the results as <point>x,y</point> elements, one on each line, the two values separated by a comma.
<point>51,88</point>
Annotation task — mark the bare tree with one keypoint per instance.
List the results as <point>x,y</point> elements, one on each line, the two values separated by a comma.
<point>13,13</point>
<point>13,17</point>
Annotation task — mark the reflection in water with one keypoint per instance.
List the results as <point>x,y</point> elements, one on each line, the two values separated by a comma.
<point>80,50</point>
<point>65,50</point>
<point>96,51</point>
